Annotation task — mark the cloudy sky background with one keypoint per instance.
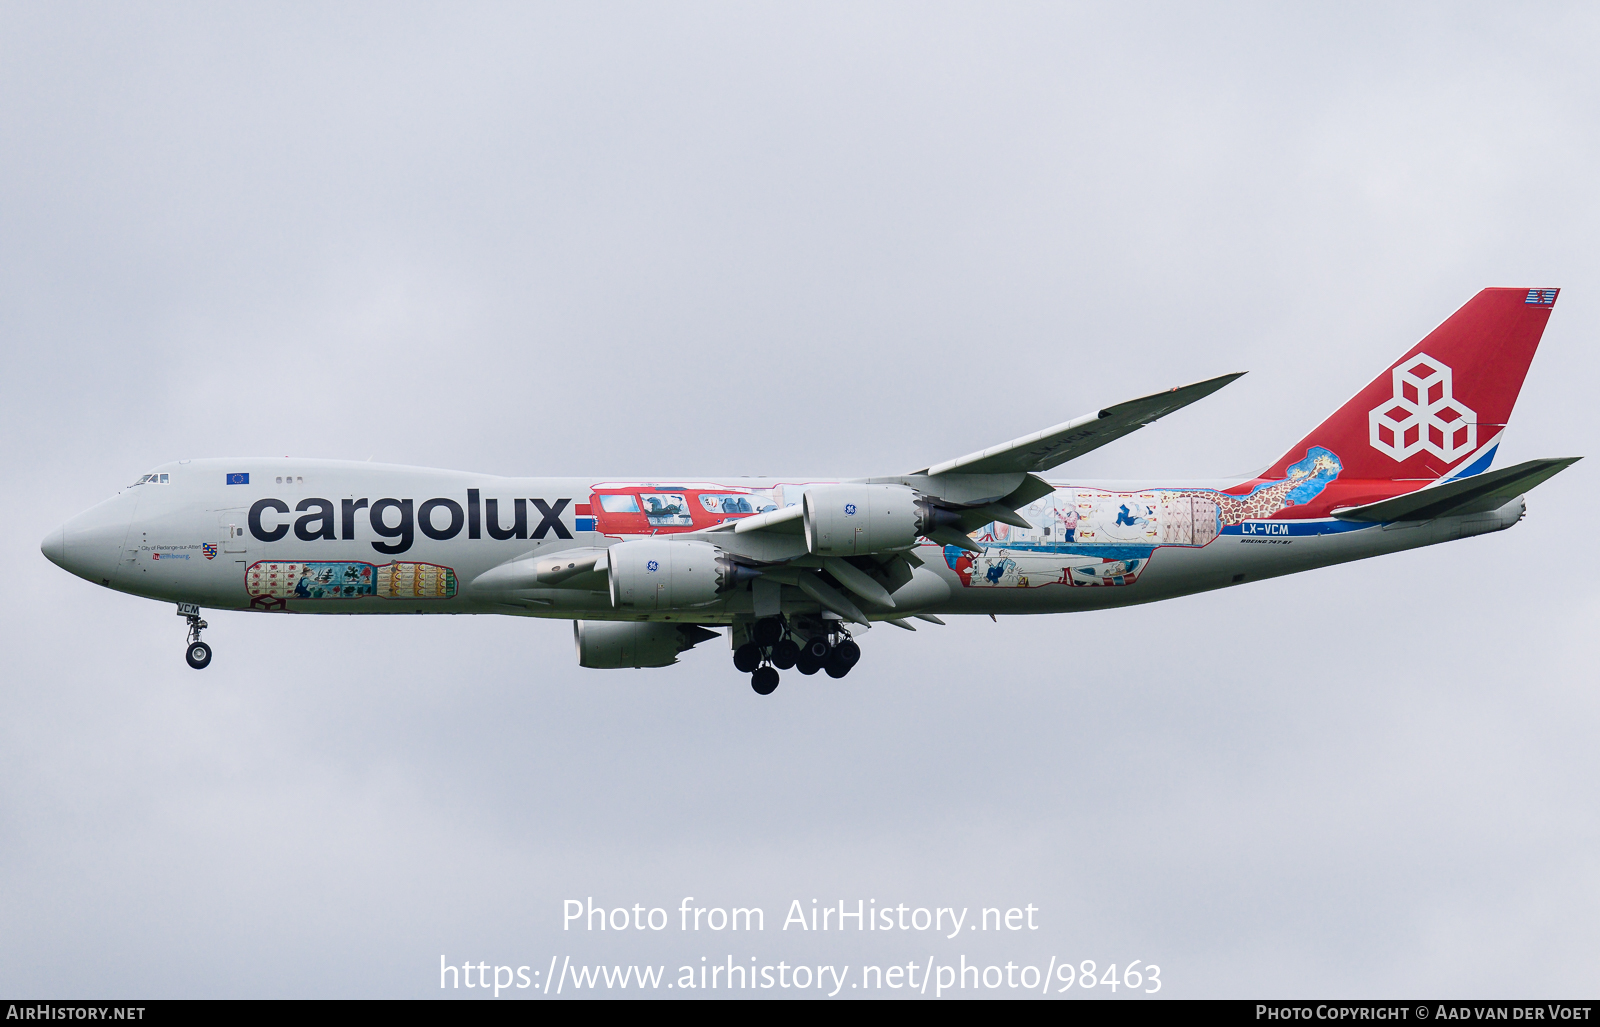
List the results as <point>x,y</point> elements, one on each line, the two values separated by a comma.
<point>851,239</point>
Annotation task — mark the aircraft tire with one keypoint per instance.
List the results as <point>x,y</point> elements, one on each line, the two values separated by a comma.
<point>764,681</point>
<point>768,632</point>
<point>784,654</point>
<point>806,664</point>
<point>747,657</point>
<point>198,655</point>
<point>836,666</point>
<point>848,653</point>
<point>818,649</point>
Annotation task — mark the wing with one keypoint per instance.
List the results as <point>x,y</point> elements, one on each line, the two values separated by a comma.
<point>1045,449</point>
<point>1477,494</point>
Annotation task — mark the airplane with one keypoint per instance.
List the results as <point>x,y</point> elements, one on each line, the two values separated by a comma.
<point>793,569</point>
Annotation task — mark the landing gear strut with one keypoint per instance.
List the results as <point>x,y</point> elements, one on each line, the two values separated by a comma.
<point>198,654</point>
<point>771,649</point>
<point>768,631</point>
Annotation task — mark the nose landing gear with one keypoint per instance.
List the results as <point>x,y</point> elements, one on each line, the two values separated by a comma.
<point>198,654</point>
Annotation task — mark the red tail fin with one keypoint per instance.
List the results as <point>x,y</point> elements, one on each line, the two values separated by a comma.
<point>1439,410</point>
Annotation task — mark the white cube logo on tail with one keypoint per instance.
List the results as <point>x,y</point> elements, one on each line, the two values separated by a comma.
<point>1423,415</point>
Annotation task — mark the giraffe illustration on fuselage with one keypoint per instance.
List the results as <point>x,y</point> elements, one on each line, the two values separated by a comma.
<point>1305,482</point>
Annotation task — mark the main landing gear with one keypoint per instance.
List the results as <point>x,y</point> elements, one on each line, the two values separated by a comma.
<point>198,654</point>
<point>771,649</point>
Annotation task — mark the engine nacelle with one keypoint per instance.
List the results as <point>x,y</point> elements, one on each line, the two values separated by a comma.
<point>855,520</point>
<point>612,645</point>
<point>649,574</point>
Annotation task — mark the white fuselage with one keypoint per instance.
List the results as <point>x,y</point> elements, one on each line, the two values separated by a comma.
<point>322,536</point>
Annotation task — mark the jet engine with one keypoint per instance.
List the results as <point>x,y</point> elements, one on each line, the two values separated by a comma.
<point>610,645</point>
<point>651,574</point>
<point>856,520</point>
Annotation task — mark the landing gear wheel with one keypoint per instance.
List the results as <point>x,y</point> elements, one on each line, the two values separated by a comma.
<point>836,667</point>
<point>813,655</point>
<point>848,653</point>
<point>784,654</point>
<point>198,655</point>
<point>768,632</point>
<point>747,657</point>
<point>764,681</point>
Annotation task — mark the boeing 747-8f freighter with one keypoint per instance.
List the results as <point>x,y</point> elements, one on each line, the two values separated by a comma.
<point>793,567</point>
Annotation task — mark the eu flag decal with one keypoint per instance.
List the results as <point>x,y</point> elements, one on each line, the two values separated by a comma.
<point>239,479</point>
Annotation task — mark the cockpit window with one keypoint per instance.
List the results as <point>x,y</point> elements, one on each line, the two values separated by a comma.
<point>152,479</point>
<point>619,504</point>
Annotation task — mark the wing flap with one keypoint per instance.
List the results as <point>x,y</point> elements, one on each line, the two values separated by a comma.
<point>1056,445</point>
<point>1476,494</point>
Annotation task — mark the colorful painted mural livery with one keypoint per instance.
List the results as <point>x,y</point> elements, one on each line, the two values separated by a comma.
<point>283,579</point>
<point>1088,537</point>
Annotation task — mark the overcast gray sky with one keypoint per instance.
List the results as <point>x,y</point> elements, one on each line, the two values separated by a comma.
<point>723,239</point>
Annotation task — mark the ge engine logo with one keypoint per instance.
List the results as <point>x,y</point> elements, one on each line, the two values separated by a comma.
<point>849,509</point>
<point>652,566</point>
<point>1423,415</point>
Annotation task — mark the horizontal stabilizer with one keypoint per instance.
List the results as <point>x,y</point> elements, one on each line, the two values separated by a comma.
<point>1045,449</point>
<point>1477,494</point>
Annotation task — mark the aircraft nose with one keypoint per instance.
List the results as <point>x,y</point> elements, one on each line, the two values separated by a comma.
<point>90,545</point>
<point>54,547</point>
